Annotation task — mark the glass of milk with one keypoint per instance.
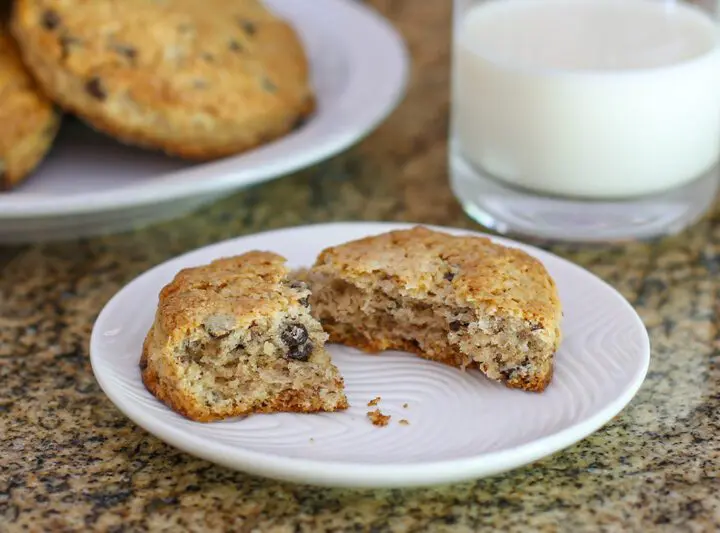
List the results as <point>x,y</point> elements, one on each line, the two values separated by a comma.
<point>585,120</point>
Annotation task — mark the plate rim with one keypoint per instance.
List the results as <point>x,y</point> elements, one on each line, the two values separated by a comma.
<point>226,181</point>
<point>364,475</point>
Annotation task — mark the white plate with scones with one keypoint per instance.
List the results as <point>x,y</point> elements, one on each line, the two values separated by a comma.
<point>234,94</point>
<point>234,353</point>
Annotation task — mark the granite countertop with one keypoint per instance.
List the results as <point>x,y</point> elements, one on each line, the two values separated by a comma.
<point>71,462</point>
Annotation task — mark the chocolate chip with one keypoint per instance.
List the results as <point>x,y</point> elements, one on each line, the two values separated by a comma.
<point>248,27</point>
<point>235,46</point>
<point>449,276</point>
<point>50,19</point>
<point>125,50</point>
<point>300,353</point>
<point>268,85</point>
<point>294,335</point>
<point>536,327</point>
<point>95,89</point>
<point>143,364</point>
<point>305,302</point>
<point>456,325</point>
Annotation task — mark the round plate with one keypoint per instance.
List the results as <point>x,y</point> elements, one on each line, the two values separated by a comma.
<point>461,425</point>
<point>89,183</point>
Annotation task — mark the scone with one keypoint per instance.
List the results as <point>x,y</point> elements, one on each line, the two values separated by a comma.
<point>28,120</point>
<point>197,79</point>
<point>236,337</point>
<point>463,301</point>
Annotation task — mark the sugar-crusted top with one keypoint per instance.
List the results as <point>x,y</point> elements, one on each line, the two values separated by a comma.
<point>463,270</point>
<point>18,90</point>
<point>227,293</point>
<point>23,108</point>
<point>193,60</point>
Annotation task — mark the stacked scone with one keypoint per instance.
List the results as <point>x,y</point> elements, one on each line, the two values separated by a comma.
<point>244,335</point>
<point>28,119</point>
<point>198,80</point>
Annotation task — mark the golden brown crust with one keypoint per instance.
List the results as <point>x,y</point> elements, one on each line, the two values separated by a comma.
<point>196,79</point>
<point>499,277</point>
<point>245,287</point>
<point>28,120</point>
<point>170,396</point>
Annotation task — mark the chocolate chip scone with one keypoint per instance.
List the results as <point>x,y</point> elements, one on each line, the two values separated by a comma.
<point>236,337</point>
<point>463,301</point>
<point>28,120</point>
<point>197,79</point>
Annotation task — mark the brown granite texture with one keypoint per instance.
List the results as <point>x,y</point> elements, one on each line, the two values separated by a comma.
<point>69,461</point>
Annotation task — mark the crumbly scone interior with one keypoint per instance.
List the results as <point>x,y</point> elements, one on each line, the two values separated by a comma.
<point>230,369</point>
<point>378,314</point>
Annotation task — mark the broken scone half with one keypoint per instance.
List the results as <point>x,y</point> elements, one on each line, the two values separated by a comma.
<point>460,300</point>
<point>236,337</point>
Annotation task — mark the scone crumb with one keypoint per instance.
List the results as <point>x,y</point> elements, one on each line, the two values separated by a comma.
<point>404,422</point>
<point>405,406</point>
<point>378,419</point>
<point>374,401</point>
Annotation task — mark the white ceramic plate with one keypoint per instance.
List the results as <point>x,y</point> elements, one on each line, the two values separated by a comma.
<point>91,184</point>
<point>462,426</point>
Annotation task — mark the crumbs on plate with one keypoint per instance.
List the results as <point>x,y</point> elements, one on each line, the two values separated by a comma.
<point>378,419</point>
<point>404,422</point>
<point>374,401</point>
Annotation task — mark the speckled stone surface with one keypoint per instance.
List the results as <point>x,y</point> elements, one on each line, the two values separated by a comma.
<point>69,461</point>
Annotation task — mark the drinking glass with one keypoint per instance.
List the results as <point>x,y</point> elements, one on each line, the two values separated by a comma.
<point>585,120</point>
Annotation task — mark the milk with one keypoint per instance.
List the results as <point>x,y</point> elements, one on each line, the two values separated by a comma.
<point>587,98</point>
